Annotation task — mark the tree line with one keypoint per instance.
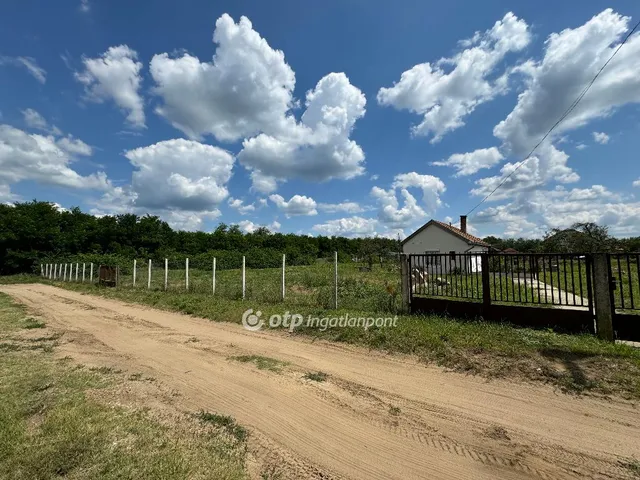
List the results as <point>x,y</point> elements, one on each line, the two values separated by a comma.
<point>38,232</point>
<point>585,237</point>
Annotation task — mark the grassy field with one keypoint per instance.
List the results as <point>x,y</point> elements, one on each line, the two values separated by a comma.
<point>310,286</point>
<point>577,363</point>
<point>52,425</point>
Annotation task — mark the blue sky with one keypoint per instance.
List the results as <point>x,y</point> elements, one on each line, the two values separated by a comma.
<point>325,118</point>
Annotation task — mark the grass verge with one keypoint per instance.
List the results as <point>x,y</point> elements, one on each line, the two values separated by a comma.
<point>51,426</point>
<point>574,363</point>
<point>262,363</point>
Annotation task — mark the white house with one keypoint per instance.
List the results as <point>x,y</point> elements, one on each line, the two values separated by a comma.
<point>436,237</point>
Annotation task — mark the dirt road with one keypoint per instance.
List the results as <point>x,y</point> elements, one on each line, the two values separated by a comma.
<point>376,416</point>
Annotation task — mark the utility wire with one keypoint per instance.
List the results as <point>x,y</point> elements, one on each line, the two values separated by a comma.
<point>564,115</point>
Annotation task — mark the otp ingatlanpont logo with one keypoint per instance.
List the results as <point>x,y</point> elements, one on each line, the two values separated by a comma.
<point>252,321</point>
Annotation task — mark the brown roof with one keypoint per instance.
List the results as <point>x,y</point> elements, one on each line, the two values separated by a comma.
<point>472,239</point>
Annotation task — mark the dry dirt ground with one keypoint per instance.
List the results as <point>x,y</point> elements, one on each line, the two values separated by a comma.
<point>374,417</point>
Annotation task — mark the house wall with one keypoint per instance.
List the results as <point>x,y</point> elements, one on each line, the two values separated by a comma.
<point>434,239</point>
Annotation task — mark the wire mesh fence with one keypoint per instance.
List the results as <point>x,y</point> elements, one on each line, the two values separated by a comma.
<point>322,284</point>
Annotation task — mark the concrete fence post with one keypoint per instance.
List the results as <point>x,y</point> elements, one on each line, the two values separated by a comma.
<point>284,263</point>
<point>135,269</point>
<point>335,277</point>
<point>55,271</point>
<point>64,277</point>
<point>91,273</point>
<point>84,268</point>
<point>166,273</point>
<point>149,277</point>
<point>186,278</point>
<point>244,279</point>
<point>602,296</point>
<point>77,268</point>
<point>213,278</point>
<point>405,285</point>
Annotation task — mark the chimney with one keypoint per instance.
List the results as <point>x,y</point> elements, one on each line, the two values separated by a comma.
<point>463,223</point>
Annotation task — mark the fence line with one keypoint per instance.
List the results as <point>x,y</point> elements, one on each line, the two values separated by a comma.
<point>541,279</point>
<point>213,278</point>
<point>320,284</point>
<point>187,274</point>
<point>166,273</point>
<point>284,263</point>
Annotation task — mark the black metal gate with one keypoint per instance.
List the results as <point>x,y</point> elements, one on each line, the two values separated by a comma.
<point>539,290</point>
<point>624,281</point>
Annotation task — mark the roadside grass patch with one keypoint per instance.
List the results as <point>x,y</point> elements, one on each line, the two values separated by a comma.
<point>105,370</point>
<point>228,424</point>
<point>633,466</point>
<point>31,323</point>
<point>395,411</point>
<point>262,363</point>
<point>316,376</point>
<point>51,428</point>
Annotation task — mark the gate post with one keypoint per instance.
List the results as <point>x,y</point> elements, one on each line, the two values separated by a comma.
<point>405,287</point>
<point>486,284</point>
<point>602,296</point>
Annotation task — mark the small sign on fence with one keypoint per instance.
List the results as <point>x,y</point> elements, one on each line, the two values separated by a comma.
<point>107,276</point>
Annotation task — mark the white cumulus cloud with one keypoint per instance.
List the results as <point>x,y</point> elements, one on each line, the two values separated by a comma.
<point>349,227</point>
<point>472,162</point>
<point>297,205</point>
<point>42,159</point>
<point>180,174</point>
<point>115,75</point>
<point>601,138</point>
<point>571,59</point>
<point>318,147</point>
<point>246,88</point>
<point>248,226</point>
<point>240,206</point>
<point>450,89</point>
<point>396,216</point>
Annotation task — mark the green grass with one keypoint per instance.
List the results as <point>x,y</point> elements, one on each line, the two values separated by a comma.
<point>316,376</point>
<point>262,363</point>
<point>50,428</point>
<point>225,422</point>
<point>633,466</point>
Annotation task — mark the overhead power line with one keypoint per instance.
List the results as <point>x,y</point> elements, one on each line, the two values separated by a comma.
<point>564,115</point>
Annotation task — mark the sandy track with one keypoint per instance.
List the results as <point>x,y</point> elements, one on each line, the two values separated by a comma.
<point>449,426</point>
